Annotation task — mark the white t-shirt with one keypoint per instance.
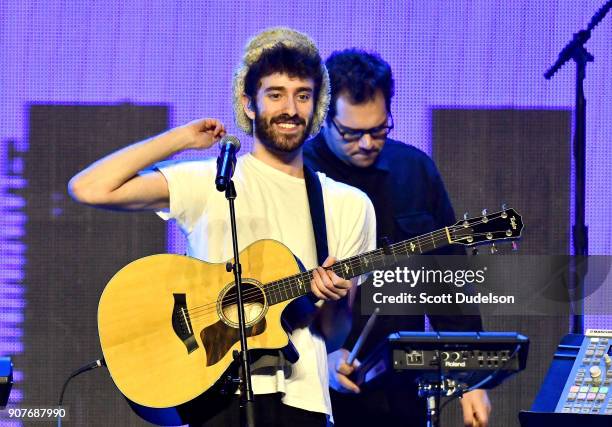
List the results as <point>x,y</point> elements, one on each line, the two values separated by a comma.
<point>271,205</point>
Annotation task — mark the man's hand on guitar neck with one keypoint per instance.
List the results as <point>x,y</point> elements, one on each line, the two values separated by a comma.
<point>327,285</point>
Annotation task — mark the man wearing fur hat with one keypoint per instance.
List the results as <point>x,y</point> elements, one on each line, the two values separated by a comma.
<point>281,94</point>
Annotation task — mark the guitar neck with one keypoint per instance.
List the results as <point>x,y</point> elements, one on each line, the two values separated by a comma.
<point>295,286</point>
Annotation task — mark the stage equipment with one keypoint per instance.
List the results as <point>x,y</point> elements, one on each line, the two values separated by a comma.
<point>576,390</point>
<point>6,380</point>
<point>575,50</point>
<point>445,363</point>
<point>224,183</point>
<point>226,162</point>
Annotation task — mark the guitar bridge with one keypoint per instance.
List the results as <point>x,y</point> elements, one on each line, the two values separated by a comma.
<point>181,323</point>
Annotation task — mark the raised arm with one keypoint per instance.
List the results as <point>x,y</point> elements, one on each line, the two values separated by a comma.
<point>117,181</point>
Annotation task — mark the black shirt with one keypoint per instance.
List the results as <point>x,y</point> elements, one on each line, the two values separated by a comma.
<point>409,199</point>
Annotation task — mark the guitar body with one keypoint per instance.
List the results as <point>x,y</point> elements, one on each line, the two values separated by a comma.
<point>168,323</point>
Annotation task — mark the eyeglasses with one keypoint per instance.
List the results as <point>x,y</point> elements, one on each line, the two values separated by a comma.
<point>352,135</point>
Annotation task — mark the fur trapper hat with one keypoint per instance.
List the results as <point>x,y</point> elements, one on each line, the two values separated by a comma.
<point>252,52</point>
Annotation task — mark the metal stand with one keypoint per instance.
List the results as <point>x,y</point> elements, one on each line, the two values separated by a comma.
<point>247,415</point>
<point>432,391</point>
<point>575,50</point>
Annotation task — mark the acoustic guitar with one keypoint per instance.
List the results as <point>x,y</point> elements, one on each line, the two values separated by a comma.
<point>168,323</point>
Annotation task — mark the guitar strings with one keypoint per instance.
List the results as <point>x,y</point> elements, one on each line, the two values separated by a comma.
<point>253,295</point>
<point>352,262</point>
<point>207,312</point>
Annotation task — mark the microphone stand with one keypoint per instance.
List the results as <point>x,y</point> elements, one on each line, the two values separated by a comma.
<point>247,414</point>
<point>575,50</point>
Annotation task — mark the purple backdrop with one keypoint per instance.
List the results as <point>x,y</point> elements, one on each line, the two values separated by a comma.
<point>463,53</point>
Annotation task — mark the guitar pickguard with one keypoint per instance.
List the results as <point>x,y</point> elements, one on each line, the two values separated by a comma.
<point>218,338</point>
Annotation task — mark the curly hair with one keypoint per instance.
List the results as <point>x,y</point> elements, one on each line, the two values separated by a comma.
<point>358,74</point>
<point>284,60</point>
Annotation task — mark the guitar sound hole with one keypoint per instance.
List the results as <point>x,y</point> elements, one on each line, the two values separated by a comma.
<point>254,304</point>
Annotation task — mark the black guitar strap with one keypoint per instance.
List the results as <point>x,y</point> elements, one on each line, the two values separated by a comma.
<point>317,212</point>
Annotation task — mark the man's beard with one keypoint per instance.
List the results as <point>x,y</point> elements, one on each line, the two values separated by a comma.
<point>274,140</point>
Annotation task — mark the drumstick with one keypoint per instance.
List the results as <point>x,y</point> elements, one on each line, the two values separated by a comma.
<point>364,334</point>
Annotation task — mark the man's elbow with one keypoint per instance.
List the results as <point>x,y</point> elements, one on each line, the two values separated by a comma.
<point>83,193</point>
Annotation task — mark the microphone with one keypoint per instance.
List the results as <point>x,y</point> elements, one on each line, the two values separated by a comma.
<point>226,161</point>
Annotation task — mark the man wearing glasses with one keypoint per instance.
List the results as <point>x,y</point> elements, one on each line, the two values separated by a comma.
<point>409,199</point>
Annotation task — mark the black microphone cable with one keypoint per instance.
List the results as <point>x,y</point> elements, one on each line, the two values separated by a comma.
<point>93,365</point>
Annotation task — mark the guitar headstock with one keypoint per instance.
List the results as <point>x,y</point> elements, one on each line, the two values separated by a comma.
<point>506,224</point>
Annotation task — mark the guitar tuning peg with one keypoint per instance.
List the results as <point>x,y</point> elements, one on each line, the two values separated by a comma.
<point>484,212</point>
<point>504,206</point>
<point>465,215</point>
<point>514,246</point>
<point>493,249</point>
<point>474,251</point>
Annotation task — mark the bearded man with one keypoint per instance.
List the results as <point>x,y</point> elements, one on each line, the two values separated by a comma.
<point>281,95</point>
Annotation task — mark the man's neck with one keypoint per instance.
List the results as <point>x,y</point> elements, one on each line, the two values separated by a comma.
<point>290,163</point>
